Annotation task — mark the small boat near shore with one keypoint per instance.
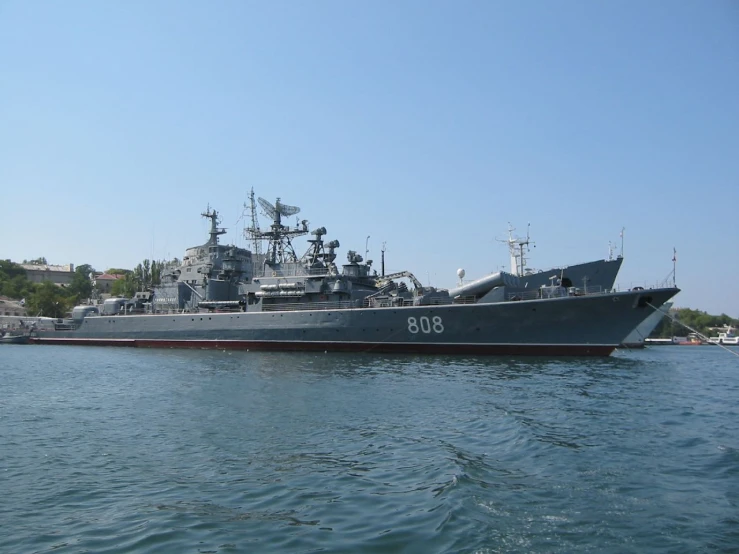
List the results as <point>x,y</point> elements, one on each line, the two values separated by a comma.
<point>693,339</point>
<point>728,336</point>
<point>11,337</point>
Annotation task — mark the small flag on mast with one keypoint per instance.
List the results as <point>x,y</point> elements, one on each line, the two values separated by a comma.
<point>674,255</point>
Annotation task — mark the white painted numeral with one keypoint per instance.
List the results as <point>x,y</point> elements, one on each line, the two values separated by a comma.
<point>425,325</point>
<point>438,326</point>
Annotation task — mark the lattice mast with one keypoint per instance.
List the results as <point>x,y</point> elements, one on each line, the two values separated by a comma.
<point>253,233</point>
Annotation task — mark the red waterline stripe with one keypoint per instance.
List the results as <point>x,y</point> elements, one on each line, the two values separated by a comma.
<point>410,348</point>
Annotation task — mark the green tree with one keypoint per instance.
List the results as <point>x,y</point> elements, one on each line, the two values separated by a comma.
<point>37,261</point>
<point>148,273</point>
<point>691,319</point>
<point>139,276</point>
<point>81,286</point>
<point>9,269</point>
<point>125,287</point>
<point>13,280</point>
<point>48,300</point>
<point>156,272</point>
<point>18,287</point>
<point>144,276</point>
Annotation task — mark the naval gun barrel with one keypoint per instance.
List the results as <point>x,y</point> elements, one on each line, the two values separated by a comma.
<point>485,284</point>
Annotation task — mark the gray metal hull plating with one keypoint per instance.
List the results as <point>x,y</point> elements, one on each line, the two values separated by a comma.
<point>645,328</point>
<point>585,325</point>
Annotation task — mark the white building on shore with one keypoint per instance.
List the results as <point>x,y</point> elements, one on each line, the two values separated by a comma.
<point>57,274</point>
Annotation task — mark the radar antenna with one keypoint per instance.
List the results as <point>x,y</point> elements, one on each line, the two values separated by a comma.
<point>280,249</point>
<point>278,210</point>
<point>268,208</point>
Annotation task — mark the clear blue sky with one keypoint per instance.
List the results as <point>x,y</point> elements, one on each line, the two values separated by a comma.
<point>426,125</point>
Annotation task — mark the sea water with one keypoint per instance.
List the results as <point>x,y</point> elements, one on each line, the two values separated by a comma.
<point>116,450</point>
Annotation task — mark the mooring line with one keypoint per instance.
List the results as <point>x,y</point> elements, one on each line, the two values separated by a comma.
<point>701,335</point>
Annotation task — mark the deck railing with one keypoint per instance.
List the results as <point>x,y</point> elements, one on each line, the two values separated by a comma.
<point>555,292</point>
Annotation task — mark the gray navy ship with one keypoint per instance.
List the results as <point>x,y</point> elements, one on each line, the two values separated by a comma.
<point>594,276</point>
<point>227,297</point>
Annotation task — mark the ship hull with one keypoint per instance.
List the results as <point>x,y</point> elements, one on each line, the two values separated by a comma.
<point>591,325</point>
<point>384,348</point>
<point>637,337</point>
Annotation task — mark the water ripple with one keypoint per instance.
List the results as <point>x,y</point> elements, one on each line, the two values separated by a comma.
<point>113,451</point>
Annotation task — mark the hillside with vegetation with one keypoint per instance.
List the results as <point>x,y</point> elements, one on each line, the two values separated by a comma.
<point>49,300</point>
<point>693,319</point>
<point>45,299</point>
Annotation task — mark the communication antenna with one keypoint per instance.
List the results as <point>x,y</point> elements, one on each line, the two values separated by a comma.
<point>674,266</point>
<point>215,231</point>
<point>622,241</point>
<point>254,231</point>
<point>518,248</point>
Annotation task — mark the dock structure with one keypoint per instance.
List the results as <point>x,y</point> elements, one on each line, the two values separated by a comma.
<point>659,342</point>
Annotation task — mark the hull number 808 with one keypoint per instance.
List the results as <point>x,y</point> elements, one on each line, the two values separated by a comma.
<point>425,325</point>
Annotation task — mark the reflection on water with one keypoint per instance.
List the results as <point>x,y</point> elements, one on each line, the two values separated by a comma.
<point>125,450</point>
<point>363,365</point>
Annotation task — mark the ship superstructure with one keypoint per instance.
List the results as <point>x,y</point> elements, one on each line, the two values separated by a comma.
<point>210,274</point>
<point>597,275</point>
